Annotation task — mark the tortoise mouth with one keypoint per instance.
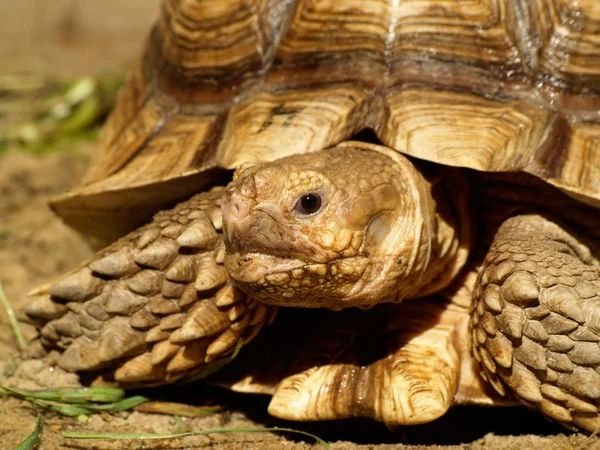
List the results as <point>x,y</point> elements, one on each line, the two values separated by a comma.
<point>253,268</point>
<point>282,281</point>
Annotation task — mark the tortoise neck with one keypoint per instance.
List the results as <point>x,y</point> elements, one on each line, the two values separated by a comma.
<point>452,234</point>
<point>429,242</point>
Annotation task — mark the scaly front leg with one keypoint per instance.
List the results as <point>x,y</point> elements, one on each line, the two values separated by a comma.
<point>155,306</point>
<point>536,320</point>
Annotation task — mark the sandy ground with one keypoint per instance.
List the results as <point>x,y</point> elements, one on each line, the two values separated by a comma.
<point>73,36</point>
<point>83,36</point>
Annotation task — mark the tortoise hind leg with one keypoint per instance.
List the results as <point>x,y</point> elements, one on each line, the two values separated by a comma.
<point>153,307</point>
<point>535,320</point>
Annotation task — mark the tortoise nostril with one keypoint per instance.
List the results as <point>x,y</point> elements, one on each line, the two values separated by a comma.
<point>236,206</point>
<point>240,209</point>
<point>247,187</point>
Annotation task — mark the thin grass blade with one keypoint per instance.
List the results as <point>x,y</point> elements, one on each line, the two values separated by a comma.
<point>70,410</point>
<point>112,436</point>
<point>32,440</point>
<point>178,409</point>
<point>21,341</point>
<point>83,395</point>
<point>123,405</point>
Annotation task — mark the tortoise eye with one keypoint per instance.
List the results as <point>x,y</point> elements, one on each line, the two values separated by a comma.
<point>308,204</point>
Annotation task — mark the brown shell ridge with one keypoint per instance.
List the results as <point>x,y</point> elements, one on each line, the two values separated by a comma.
<point>569,159</point>
<point>525,34</point>
<point>570,55</point>
<point>205,52</point>
<point>115,145</point>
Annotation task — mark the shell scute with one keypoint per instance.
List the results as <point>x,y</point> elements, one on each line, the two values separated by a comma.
<point>491,85</point>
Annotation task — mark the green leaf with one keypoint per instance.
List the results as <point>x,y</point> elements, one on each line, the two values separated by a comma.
<point>32,440</point>
<point>83,395</point>
<point>123,405</point>
<point>82,116</point>
<point>178,409</point>
<point>39,112</point>
<point>12,319</point>
<point>70,410</point>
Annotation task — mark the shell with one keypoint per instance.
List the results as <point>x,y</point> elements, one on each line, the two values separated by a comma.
<point>495,85</point>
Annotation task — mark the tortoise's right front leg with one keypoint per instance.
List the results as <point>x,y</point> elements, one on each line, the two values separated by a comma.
<point>155,306</point>
<point>536,320</point>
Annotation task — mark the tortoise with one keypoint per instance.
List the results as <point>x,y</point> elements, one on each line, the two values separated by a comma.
<point>415,209</point>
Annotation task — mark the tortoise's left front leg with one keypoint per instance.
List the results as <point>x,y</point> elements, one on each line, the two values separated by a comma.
<point>155,306</point>
<point>535,320</point>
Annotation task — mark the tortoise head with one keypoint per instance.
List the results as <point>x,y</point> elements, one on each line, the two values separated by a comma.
<point>350,226</point>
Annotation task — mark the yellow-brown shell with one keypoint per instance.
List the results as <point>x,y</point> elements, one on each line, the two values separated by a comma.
<point>493,85</point>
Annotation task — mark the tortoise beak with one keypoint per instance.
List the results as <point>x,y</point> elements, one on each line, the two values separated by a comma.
<point>247,226</point>
<point>236,219</point>
<point>256,232</point>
